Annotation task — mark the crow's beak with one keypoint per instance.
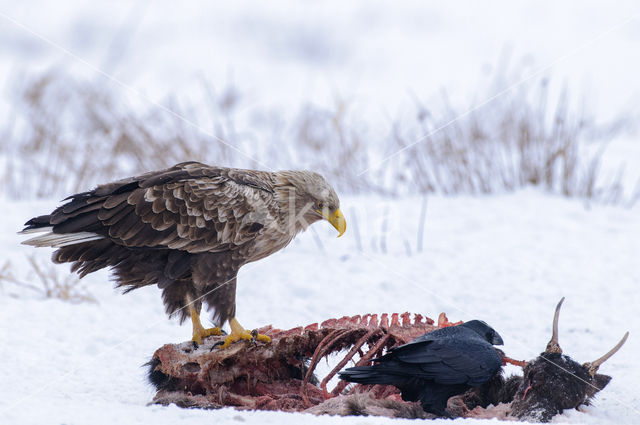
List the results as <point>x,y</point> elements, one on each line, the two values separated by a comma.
<point>336,219</point>
<point>497,340</point>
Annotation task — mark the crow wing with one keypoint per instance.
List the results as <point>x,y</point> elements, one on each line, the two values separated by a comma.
<point>446,361</point>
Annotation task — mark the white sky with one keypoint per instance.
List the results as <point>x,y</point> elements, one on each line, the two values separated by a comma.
<point>374,54</point>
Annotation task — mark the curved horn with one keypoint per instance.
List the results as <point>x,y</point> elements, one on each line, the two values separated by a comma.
<point>594,365</point>
<point>553,346</point>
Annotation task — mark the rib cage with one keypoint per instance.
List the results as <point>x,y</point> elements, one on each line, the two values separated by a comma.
<point>279,375</point>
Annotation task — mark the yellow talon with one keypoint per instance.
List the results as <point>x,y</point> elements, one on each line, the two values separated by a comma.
<point>203,333</point>
<point>262,338</point>
<point>239,333</point>
<point>199,331</point>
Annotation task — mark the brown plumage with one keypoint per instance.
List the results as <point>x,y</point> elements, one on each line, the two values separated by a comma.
<point>188,229</point>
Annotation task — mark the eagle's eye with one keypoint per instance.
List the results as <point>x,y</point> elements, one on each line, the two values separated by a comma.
<point>320,205</point>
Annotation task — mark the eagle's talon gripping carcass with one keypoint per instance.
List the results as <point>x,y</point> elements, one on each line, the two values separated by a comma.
<point>279,375</point>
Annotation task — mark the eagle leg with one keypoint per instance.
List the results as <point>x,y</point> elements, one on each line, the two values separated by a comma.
<point>199,331</point>
<point>239,333</point>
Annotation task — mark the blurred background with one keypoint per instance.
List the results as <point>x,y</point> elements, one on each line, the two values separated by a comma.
<point>478,98</point>
<point>486,154</point>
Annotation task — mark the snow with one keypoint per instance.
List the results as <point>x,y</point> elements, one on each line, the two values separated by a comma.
<point>504,259</point>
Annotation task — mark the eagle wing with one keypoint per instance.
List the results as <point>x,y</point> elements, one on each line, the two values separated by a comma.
<point>190,207</point>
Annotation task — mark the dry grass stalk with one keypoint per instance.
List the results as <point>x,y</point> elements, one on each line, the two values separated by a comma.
<point>48,283</point>
<point>68,136</point>
<point>523,139</point>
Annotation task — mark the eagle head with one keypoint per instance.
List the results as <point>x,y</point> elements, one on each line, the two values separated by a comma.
<point>308,197</point>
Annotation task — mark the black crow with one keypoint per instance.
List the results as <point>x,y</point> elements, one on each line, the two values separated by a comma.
<point>436,365</point>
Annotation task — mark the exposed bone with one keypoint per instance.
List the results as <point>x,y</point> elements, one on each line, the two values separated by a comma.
<point>345,360</point>
<point>278,375</point>
<point>553,346</point>
<point>592,367</point>
<point>272,376</point>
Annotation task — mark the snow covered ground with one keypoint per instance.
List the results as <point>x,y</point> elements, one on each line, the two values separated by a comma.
<point>505,259</point>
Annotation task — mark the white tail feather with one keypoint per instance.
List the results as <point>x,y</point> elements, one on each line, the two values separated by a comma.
<point>56,240</point>
<point>36,230</point>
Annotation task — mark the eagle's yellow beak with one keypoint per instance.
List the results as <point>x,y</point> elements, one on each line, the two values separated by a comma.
<point>336,219</point>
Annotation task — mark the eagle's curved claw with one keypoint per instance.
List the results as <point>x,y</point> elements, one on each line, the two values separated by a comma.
<point>239,333</point>
<point>201,333</point>
<point>252,336</point>
<point>261,337</point>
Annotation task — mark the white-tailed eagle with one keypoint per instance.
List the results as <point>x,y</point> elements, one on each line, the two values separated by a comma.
<point>187,229</point>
